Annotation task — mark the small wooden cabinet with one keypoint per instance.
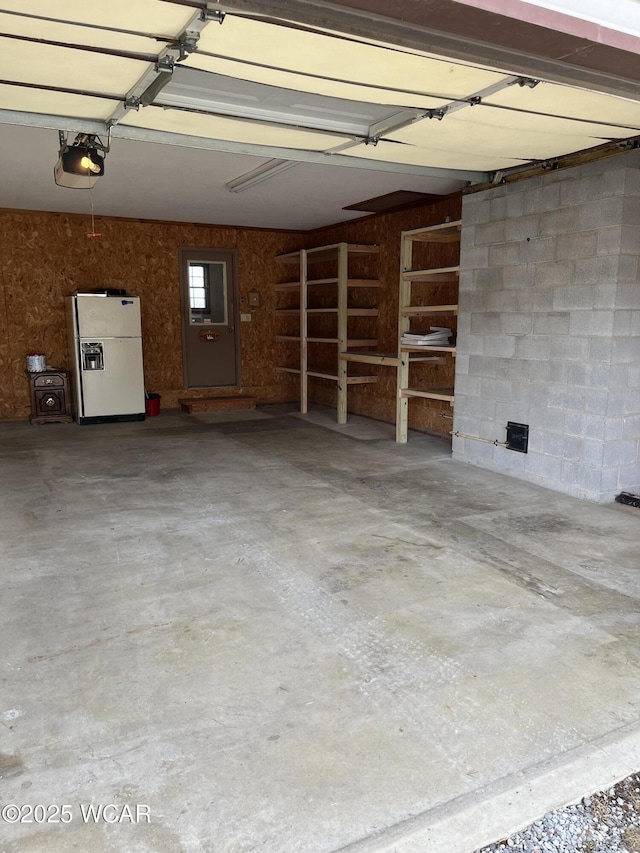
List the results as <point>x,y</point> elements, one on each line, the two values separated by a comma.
<point>49,396</point>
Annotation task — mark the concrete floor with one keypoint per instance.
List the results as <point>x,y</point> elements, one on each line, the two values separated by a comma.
<point>285,636</point>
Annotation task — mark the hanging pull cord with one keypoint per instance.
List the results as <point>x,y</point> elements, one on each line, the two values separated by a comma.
<point>93,232</point>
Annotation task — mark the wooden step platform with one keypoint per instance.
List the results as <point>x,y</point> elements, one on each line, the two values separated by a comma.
<point>194,405</point>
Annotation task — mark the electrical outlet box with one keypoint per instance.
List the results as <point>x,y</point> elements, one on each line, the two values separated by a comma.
<point>245,318</point>
<point>517,437</point>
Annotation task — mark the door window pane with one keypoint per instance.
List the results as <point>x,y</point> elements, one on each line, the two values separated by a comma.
<point>208,292</point>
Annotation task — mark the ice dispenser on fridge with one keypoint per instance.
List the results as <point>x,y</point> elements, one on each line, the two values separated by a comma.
<point>92,356</point>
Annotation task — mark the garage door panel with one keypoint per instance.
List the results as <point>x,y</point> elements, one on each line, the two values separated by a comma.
<point>24,99</point>
<point>329,88</point>
<point>49,65</point>
<point>350,61</point>
<point>230,129</point>
<point>464,132</point>
<point>438,157</point>
<point>69,34</point>
<point>147,16</point>
<point>571,102</point>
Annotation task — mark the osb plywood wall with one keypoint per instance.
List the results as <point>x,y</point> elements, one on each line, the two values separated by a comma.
<point>45,257</point>
<point>379,400</point>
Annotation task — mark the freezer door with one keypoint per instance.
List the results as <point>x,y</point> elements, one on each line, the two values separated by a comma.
<point>117,388</point>
<point>108,316</point>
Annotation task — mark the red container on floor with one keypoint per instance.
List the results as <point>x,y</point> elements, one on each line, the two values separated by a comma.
<point>152,405</point>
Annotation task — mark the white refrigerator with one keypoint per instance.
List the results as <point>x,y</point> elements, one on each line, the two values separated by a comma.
<point>105,348</point>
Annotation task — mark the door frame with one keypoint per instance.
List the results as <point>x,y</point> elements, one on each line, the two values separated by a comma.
<point>198,253</point>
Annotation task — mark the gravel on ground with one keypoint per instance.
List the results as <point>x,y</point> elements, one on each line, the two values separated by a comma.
<point>605,822</point>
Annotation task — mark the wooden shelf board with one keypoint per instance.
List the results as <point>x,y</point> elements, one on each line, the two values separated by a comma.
<point>351,312</point>
<point>351,380</point>
<point>445,394</point>
<point>361,380</point>
<point>371,358</point>
<point>352,282</point>
<point>391,359</point>
<point>415,358</point>
<point>425,349</point>
<point>323,253</point>
<point>319,374</point>
<point>351,342</point>
<point>288,369</point>
<point>287,337</point>
<point>363,249</point>
<point>438,274</point>
<point>426,310</point>
<point>446,232</point>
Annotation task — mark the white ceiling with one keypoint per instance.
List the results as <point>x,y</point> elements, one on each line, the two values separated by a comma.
<point>356,118</point>
<point>166,182</point>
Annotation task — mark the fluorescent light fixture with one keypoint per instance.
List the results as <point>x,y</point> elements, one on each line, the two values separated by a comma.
<point>262,173</point>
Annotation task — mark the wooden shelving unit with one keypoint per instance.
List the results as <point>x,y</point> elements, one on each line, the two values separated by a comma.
<point>409,384</point>
<point>338,256</point>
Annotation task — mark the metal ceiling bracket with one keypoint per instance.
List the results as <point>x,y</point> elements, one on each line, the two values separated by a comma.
<point>148,86</point>
<point>210,14</point>
<point>394,122</point>
<point>90,139</point>
<point>478,97</point>
<point>188,40</point>
<point>188,44</point>
<point>156,78</point>
<point>529,82</point>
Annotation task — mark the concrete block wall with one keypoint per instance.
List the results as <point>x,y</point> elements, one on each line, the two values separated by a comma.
<point>549,328</point>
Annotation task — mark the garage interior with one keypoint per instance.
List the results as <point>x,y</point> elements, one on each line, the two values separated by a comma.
<point>290,630</point>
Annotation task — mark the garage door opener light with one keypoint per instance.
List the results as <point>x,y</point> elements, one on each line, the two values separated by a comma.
<point>80,163</point>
